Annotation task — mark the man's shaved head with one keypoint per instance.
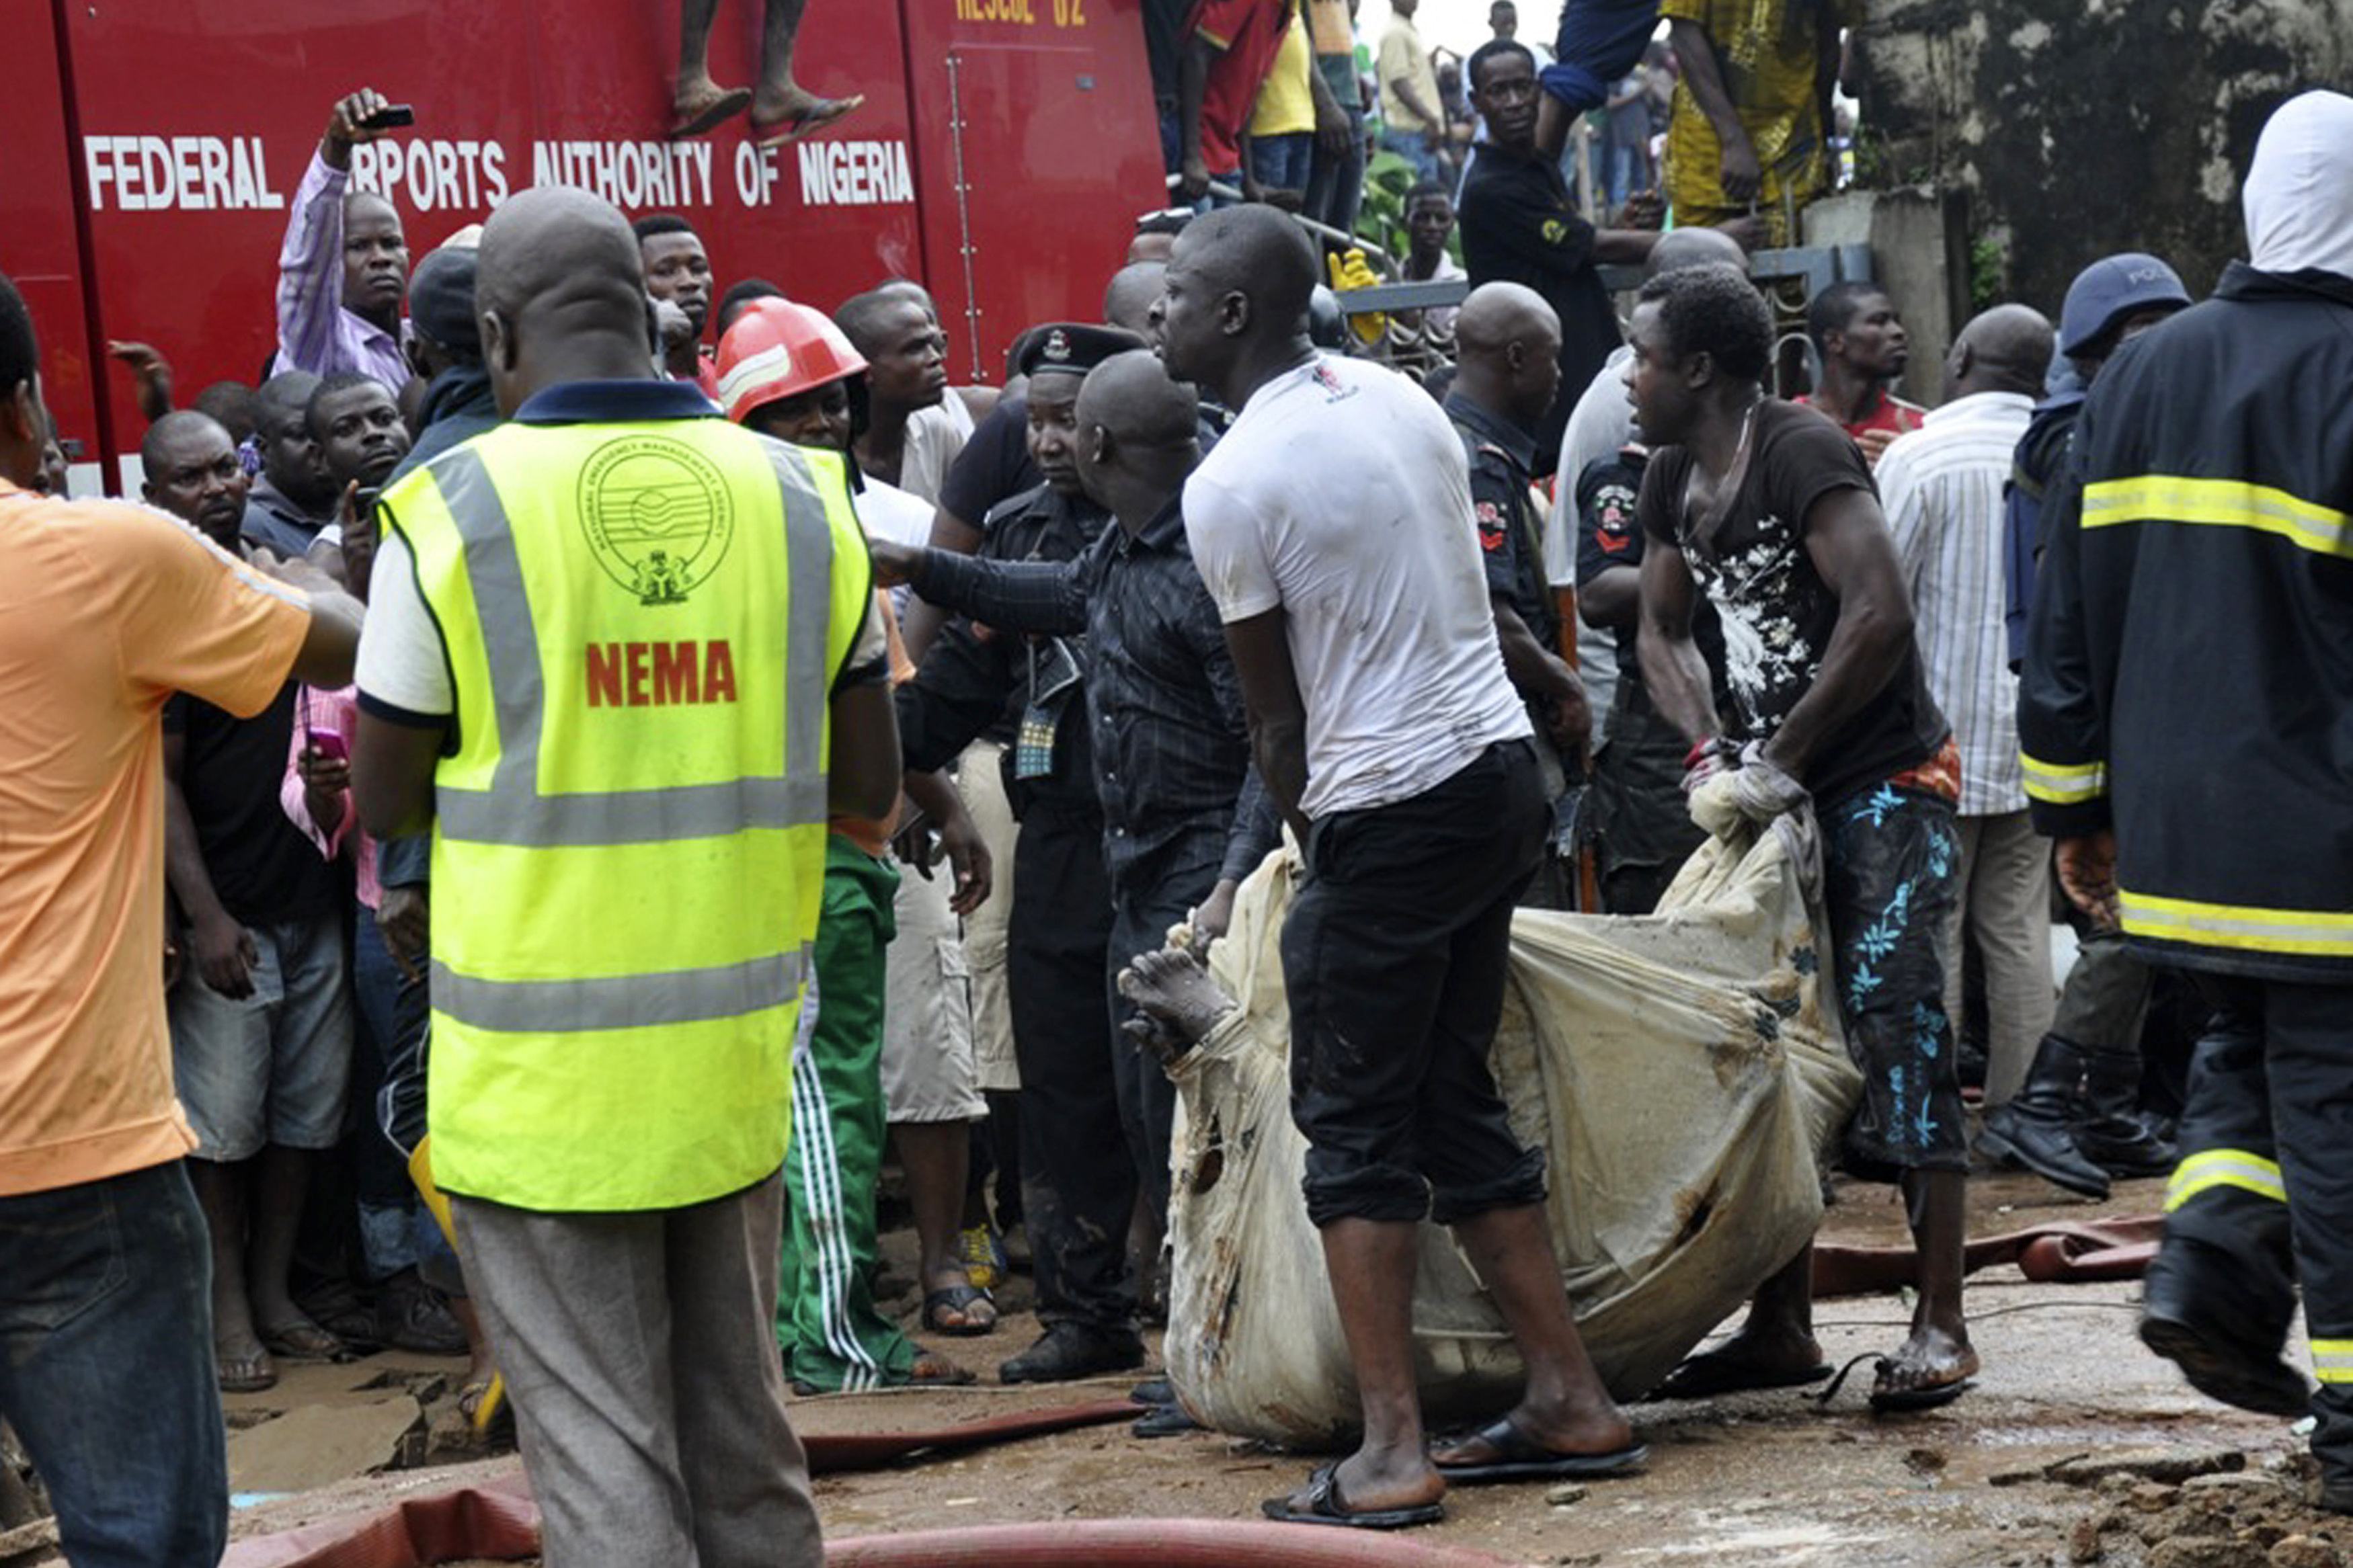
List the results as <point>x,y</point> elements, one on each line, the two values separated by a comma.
<point>560,292</point>
<point>1257,251</point>
<point>554,248</point>
<point>1135,289</point>
<point>1236,291</point>
<point>1130,397</point>
<point>1138,435</point>
<point>2006,349</point>
<point>1693,247</point>
<point>1507,338</point>
<point>1496,315</point>
<point>181,427</point>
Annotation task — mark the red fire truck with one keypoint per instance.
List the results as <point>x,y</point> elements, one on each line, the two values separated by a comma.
<point>1001,150</point>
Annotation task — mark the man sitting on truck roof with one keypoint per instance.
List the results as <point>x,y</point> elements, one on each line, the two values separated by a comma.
<point>342,274</point>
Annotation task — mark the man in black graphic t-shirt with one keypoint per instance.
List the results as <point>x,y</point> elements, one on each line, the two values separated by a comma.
<point>1767,509</point>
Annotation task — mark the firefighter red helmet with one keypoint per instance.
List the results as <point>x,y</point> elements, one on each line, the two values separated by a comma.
<point>778,349</point>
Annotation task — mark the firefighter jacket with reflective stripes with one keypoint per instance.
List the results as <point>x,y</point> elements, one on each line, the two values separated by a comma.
<point>2189,676</point>
<point>644,622</point>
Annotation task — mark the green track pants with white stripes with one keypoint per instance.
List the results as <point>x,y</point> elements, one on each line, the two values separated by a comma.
<point>833,1335</point>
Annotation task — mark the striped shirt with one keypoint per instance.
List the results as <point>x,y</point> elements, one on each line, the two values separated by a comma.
<point>1941,487</point>
<point>314,331</point>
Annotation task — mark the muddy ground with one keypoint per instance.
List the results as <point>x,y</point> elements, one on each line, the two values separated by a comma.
<point>1747,1479</point>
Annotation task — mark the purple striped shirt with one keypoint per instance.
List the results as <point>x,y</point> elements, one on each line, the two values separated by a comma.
<point>314,331</point>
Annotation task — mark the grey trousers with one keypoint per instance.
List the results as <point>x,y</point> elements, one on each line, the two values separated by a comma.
<point>2106,998</point>
<point>2005,902</point>
<point>640,1354</point>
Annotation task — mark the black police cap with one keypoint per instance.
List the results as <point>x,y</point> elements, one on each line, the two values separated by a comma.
<point>1072,346</point>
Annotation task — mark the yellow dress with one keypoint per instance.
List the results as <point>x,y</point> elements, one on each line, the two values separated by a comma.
<point>1767,52</point>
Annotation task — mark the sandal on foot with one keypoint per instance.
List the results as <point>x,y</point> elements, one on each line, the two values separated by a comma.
<point>958,1299</point>
<point>1883,1398</point>
<point>1520,1458</point>
<point>823,112</point>
<point>1324,1505</point>
<point>731,103</point>
<point>304,1340</point>
<point>244,1373</point>
<point>1708,1375</point>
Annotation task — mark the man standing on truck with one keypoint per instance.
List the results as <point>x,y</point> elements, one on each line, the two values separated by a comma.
<point>342,274</point>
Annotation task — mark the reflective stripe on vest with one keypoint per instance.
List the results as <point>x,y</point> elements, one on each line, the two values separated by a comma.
<point>513,810</point>
<point>2325,933</point>
<point>2219,503</point>
<point>2063,784</point>
<point>625,1002</point>
<point>2332,1359</point>
<point>643,623</point>
<point>2224,1168</point>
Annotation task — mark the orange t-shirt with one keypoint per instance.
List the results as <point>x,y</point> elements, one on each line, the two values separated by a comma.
<point>869,834</point>
<point>105,610</point>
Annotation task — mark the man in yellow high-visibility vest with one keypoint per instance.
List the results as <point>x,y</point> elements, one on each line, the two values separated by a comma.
<point>620,660</point>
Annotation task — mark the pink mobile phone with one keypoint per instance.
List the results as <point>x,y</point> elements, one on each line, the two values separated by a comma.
<point>330,743</point>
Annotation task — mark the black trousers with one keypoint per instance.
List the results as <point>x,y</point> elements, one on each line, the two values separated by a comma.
<point>1148,898</point>
<point>1078,1176</point>
<point>2263,1196</point>
<point>1396,954</point>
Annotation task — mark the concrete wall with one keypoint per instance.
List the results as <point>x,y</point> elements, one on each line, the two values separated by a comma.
<point>2076,128</point>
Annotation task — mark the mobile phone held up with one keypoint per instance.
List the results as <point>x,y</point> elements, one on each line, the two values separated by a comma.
<point>331,744</point>
<point>391,117</point>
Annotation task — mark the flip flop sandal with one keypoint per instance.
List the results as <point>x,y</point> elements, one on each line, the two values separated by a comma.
<point>244,1374</point>
<point>730,103</point>
<point>1324,1505</point>
<point>957,1298</point>
<point>792,128</point>
<point>1519,1457</point>
<point>1706,1376</point>
<point>1928,1398</point>
<point>1164,1421</point>
<point>304,1342</point>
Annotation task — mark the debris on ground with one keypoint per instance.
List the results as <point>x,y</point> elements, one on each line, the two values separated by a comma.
<point>2223,1517</point>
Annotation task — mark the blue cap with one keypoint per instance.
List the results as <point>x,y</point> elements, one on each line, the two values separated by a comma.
<point>2113,287</point>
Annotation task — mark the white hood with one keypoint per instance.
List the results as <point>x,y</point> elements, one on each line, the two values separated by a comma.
<point>2299,195</point>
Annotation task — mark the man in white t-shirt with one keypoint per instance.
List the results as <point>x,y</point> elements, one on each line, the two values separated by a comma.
<point>1333,526</point>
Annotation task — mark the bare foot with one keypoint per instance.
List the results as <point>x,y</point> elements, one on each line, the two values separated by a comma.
<point>702,103</point>
<point>1175,989</point>
<point>1753,1358</point>
<point>792,112</point>
<point>1933,1358</point>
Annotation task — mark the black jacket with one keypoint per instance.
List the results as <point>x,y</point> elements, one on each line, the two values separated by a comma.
<point>2189,676</point>
<point>971,673</point>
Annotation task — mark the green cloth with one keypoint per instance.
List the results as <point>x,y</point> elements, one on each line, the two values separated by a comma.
<point>833,1335</point>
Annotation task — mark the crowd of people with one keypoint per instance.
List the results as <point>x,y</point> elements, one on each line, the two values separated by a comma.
<point>524,877</point>
<point>1285,102</point>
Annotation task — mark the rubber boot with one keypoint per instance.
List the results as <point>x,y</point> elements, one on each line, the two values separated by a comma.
<point>2223,1320</point>
<point>2036,1127</point>
<point>2110,1132</point>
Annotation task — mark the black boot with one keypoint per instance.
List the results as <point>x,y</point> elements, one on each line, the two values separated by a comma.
<point>2111,1133</point>
<point>2223,1321</point>
<point>2035,1129</point>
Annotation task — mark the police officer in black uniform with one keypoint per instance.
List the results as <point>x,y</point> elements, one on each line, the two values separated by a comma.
<point>1508,340</point>
<point>1073,1149</point>
<point>1643,827</point>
